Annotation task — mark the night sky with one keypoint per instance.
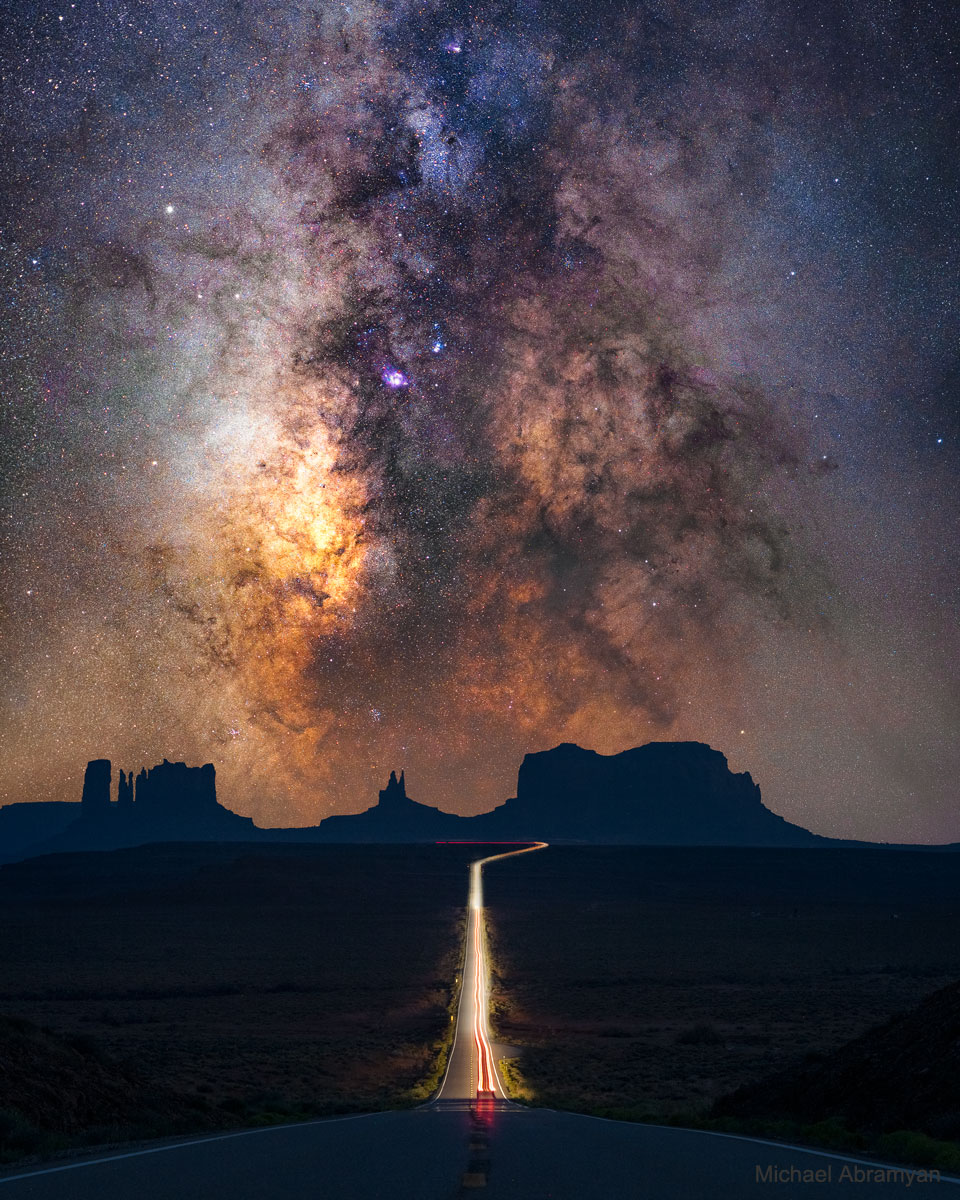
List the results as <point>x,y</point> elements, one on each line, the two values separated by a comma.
<point>421,385</point>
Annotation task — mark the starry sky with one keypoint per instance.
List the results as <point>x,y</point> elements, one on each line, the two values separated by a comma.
<point>418,385</point>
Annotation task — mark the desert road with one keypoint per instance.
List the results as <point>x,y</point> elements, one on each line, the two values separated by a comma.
<point>468,1141</point>
<point>472,1070</point>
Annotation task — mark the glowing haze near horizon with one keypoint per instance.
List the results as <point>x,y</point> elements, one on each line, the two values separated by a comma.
<point>420,385</point>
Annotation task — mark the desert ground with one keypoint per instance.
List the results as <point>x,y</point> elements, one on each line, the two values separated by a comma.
<point>171,988</point>
<point>648,982</point>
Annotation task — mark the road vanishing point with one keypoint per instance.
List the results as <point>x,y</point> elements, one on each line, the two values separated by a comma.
<point>470,1140</point>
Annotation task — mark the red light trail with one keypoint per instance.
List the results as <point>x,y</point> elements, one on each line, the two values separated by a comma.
<point>487,1079</point>
<point>471,1069</point>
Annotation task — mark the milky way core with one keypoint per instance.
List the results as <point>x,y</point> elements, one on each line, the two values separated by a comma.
<point>421,386</point>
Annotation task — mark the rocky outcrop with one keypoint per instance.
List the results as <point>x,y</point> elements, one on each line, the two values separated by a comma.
<point>394,795</point>
<point>394,818</point>
<point>663,793</point>
<point>95,799</point>
<point>172,802</point>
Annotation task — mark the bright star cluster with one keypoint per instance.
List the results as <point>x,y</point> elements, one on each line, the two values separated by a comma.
<point>395,384</point>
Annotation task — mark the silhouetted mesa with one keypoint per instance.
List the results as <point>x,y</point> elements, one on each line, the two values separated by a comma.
<point>664,793</point>
<point>173,790</point>
<point>661,794</point>
<point>171,802</point>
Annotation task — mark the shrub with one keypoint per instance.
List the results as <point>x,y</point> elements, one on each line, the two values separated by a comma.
<point>921,1150</point>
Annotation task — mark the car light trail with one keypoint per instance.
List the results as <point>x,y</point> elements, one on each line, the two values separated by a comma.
<point>487,1080</point>
<point>471,1069</point>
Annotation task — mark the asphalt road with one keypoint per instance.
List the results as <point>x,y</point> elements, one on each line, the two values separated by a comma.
<point>463,1144</point>
<point>442,1153</point>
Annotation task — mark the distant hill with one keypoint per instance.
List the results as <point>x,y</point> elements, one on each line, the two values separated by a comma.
<point>902,1075</point>
<point>32,821</point>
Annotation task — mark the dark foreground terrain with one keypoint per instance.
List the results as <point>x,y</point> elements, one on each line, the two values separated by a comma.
<point>899,1082</point>
<point>650,983</point>
<point>176,988</point>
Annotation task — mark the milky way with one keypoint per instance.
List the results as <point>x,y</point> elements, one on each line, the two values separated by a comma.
<point>419,386</point>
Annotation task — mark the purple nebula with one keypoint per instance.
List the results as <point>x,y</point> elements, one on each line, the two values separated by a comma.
<point>394,378</point>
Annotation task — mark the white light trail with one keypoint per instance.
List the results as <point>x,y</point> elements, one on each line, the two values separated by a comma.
<point>487,1078</point>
